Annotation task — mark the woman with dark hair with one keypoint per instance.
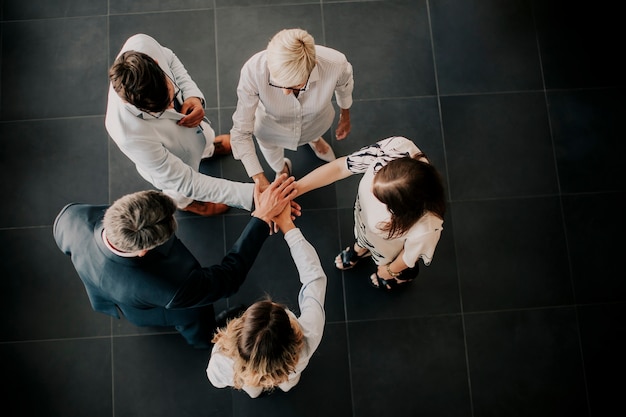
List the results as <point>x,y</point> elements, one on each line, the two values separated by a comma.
<point>399,208</point>
<point>268,346</point>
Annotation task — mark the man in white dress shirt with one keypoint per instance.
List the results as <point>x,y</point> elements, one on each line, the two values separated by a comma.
<point>155,115</point>
<point>284,100</point>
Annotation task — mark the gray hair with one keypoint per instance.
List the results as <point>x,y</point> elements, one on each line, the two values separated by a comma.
<point>291,57</point>
<point>140,221</point>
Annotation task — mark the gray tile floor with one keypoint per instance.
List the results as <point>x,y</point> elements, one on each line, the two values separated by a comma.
<point>519,103</point>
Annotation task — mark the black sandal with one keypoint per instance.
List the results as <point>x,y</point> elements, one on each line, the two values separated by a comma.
<point>349,258</point>
<point>387,284</point>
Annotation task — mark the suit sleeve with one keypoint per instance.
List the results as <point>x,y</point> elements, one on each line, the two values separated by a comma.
<point>206,285</point>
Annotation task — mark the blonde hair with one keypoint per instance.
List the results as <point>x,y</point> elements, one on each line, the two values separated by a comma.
<point>138,221</point>
<point>291,57</point>
<point>264,343</point>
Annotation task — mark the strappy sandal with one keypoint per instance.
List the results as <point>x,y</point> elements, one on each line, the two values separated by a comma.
<point>387,284</point>
<point>349,258</point>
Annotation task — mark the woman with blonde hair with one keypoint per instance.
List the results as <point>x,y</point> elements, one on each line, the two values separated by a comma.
<point>285,97</point>
<point>268,346</point>
<point>398,212</point>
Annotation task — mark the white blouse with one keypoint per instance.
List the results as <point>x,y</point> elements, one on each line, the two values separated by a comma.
<point>283,120</point>
<point>312,317</point>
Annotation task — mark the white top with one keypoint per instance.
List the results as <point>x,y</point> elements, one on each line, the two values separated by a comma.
<point>283,120</point>
<point>420,240</point>
<point>168,155</point>
<point>312,318</point>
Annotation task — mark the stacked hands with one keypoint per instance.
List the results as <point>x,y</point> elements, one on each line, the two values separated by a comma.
<point>275,205</point>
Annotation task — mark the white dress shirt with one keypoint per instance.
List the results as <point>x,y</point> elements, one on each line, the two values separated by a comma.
<point>312,317</point>
<point>283,120</point>
<point>168,155</point>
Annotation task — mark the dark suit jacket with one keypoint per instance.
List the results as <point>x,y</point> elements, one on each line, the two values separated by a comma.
<point>163,288</point>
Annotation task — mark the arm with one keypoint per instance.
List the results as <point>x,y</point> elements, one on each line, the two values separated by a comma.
<point>343,95</point>
<point>206,285</point>
<point>193,105</point>
<point>396,266</point>
<point>343,126</point>
<point>311,298</point>
<point>324,175</point>
<point>169,172</point>
<point>243,124</point>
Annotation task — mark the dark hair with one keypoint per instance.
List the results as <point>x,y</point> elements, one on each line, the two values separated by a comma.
<point>139,80</point>
<point>138,221</point>
<point>409,187</point>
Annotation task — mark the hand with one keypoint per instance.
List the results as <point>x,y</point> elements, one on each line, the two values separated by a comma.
<point>261,180</point>
<point>343,126</point>
<point>284,220</point>
<point>193,111</point>
<point>296,210</point>
<point>271,202</point>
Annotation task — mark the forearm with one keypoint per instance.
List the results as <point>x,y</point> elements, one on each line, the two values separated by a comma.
<point>394,268</point>
<point>324,175</point>
<point>209,284</point>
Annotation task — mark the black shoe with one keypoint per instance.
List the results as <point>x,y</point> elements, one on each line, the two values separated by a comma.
<point>230,313</point>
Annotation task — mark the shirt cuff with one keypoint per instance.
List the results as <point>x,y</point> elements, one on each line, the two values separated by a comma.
<point>294,236</point>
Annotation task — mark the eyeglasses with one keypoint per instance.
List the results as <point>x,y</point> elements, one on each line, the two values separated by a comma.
<point>176,93</point>
<point>295,90</point>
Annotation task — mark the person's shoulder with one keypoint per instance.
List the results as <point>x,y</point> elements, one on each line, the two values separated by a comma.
<point>77,216</point>
<point>81,210</point>
<point>139,41</point>
<point>399,143</point>
<point>325,53</point>
<point>258,59</point>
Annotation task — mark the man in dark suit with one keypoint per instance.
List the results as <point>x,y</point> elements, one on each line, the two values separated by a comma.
<point>129,258</point>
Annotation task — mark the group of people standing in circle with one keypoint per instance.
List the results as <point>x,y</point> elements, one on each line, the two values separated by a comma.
<point>130,260</point>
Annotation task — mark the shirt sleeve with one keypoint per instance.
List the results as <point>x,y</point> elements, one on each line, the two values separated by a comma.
<point>310,300</point>
<point>345,86</point>
<point>206,285</point>
<point>243,119</point>
<point>380,154</point>
<point>423,243</point>
<point>169,172</point>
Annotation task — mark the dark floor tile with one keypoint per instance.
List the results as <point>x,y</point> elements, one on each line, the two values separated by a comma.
<point>68,378</point>
<point>485,46</point>
<point>425,375</point>
<point>66,162</point>
<point>372,121</point>
<point>143,6</point>
<point>57,68</point>
<point>197,53</point>
<point>45,9</point>
<point>240,3</point>
<point>588,128</point>
<point>274,273</point>
<point>603,337</point>
<point>595,228</point>
<point>526,363</point>
<point>325,378</point>
<point>388,44</point>
<point>498,146</point>
<point>123,176</point>
<point>160,375</point>
<point>511,254</point>
<point>246,31</point>
<point>579,43</point>
<point>434,291</point>
<point>43,296</point>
